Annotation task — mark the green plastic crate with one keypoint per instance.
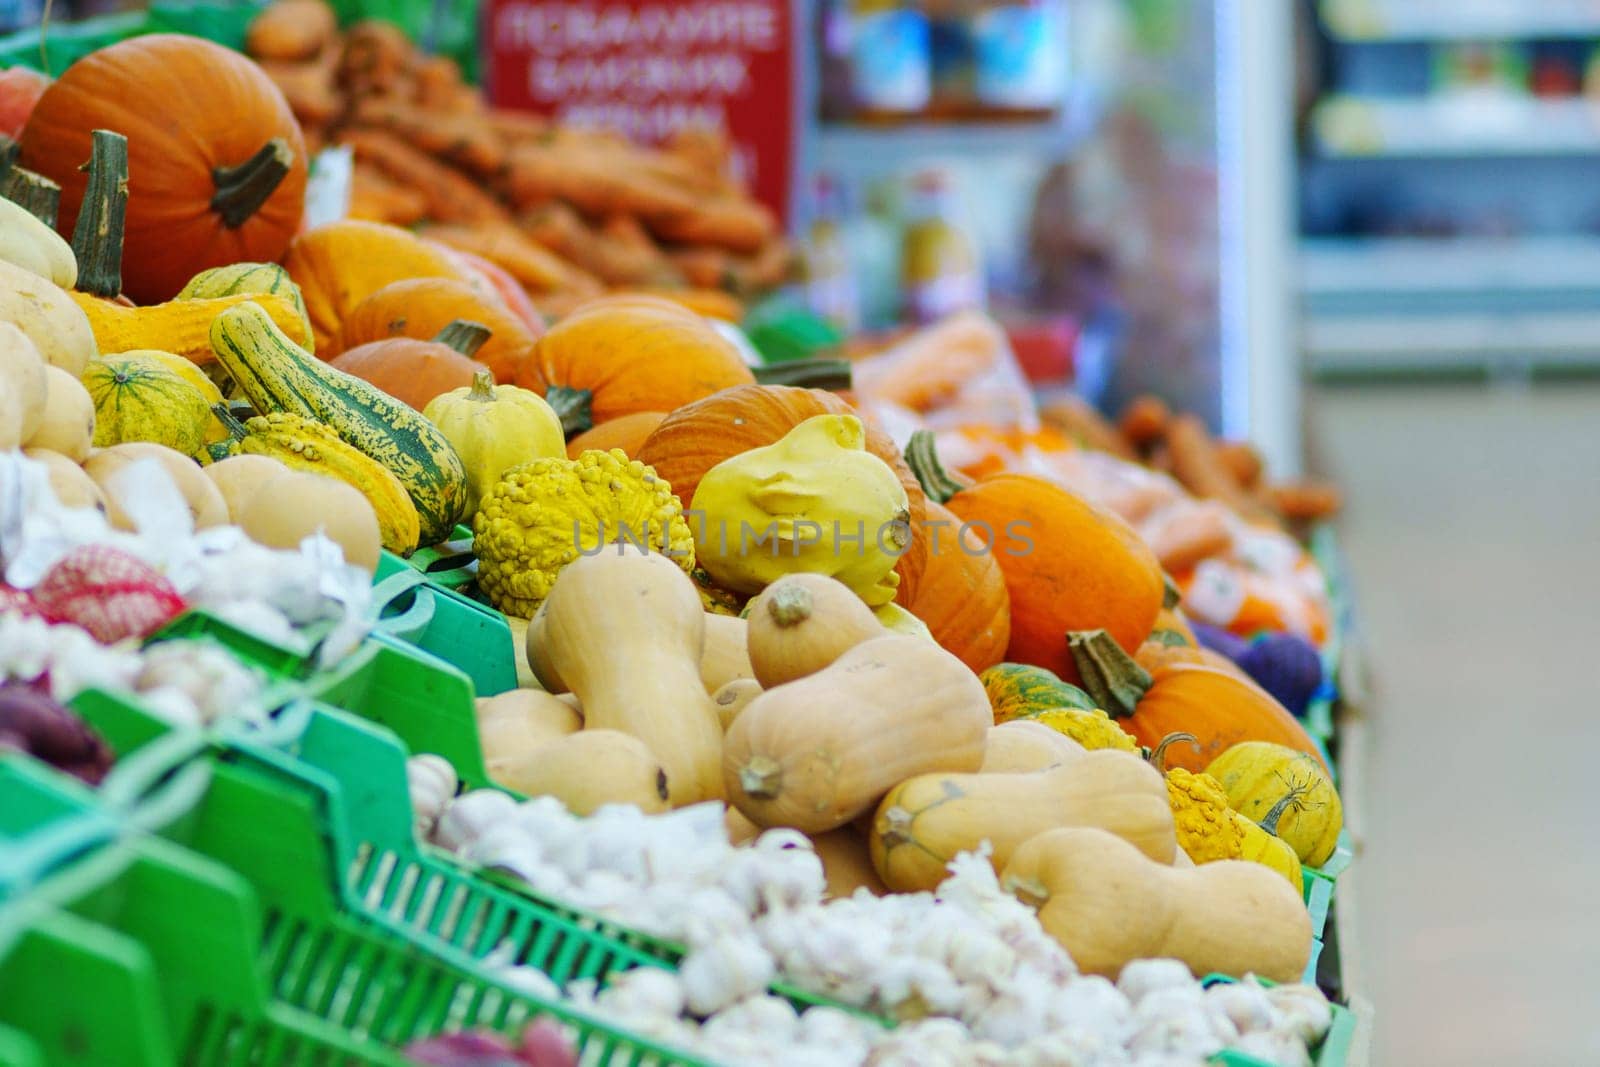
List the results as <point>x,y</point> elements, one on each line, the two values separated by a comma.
<point>17,1049</point>
<point>449,563</point>
<point>278,661</point>
<point>442,621</point>
<point>67,42</point>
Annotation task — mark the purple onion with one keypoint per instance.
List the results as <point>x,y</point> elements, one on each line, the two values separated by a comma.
<point>1219,640</point>
<point>1287,666</point>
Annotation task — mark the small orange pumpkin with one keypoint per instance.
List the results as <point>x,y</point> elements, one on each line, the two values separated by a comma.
<point>1220,708</point>
<point>627,353</point>
<point>962,594</point>
<point>216,161</point>
<point>1068,564</point>
<point>698,436</point>
<point>627,432</point>
<point>339,265</point>
<point>420,307</point>
<point>414,372</point>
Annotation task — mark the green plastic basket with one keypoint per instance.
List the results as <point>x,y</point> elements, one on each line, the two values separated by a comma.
<point>278,661</point>
<point>18,1049</point>
<point>442,621</point>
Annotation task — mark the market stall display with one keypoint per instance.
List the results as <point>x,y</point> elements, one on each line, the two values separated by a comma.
<point>782,729</point>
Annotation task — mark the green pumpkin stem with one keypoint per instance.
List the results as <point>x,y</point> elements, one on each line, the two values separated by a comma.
<point>1110,676</point>
<point>1158,755</point>
<point>1171,595</point>
<point>830,374</point>
<point>923,459</point>
<point>572,407</point>
<point>482,389</point>
<point>34,193</point>
<point>464,335</point>
<point>242,189</point>
<point>97,237</point>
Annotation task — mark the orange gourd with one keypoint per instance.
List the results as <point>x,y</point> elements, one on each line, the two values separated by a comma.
<point>421,307</point>
<point>623,354</point>
<point>1220,708</point>
<point>414,372</point>
<point>698,436</point>
<point>962,594</point>
<point>216,161</point>
<point>628,433</point>
<point>339,265</point>
<point>1068,564</point>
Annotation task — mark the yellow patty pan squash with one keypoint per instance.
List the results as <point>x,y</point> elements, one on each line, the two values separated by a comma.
<point>541,516</point>
<point>816,501</point>
<point>495,428</point>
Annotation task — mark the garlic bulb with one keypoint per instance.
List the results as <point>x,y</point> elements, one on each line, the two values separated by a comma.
<point>431,782</point>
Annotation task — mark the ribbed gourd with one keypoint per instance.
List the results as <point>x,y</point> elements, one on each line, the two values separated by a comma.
<point>136,398</point>
<point>236,279</point>
<point>306,445</point>
<point>276,374</point>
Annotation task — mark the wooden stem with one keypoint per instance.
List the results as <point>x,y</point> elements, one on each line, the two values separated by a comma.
<point>1111,677</point>
<point>464,335</point>
<point>242,189</point>
<point>97,237</point>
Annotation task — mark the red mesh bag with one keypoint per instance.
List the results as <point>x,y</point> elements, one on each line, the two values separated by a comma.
<point>107,592</point>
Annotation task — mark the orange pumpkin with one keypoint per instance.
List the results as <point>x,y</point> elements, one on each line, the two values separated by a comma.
<point>414,372</point>
<point>508,289</point>
<point>1068,564</point>
<point>1155,654</point>
<point>627,433</point>
<point>1220,708</point>
<point>622,354</point>
<point>216,161</point>
<point>712,303</point>
<point>420,307</point>
<point>339,265</point>
<point>698,436</point>
<point>962,594</point>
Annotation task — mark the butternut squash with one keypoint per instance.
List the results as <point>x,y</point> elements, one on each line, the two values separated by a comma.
<point>847,863</point>
<point>297,504</point>
<point>523,719</point>
<point>1021,745</point>
<point>741,831</point>
<point>239,478</point>
<point>623,630</point>
<point>72,486</point>
<point>1108,904</point>
<point>68,423</point>
<point>56,325</point>
<point>803,622</point>
<point>733,698</point>
<point>588,770</point>
<point>206,506</point>
<point>818,752</point>
<point>724,656</point>
<point>925,822</point>
<point>23,383</point>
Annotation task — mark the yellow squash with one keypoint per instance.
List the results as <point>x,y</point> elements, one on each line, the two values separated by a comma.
<point>494,428</point>
<point>182,327</point>
<point>51,318</point>
<point>28,243</point>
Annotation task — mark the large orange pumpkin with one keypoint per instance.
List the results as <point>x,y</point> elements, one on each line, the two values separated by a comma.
<point>962,593</point>
<point>420,307</point>
<point>1068,564</point>
<point>216,161</point>
<point>621,354</point>
<point>339,265</point>
<point>698,436</point>
<point>627,433</point>
<point>1219,707</point>
<point>414,372</point>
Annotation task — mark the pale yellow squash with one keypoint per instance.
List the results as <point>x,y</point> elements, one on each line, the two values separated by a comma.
<point>588,770</point>
<point>803,622</point>
<point>1020,745</point>
<point>67,426</point>
<point>725,655</point>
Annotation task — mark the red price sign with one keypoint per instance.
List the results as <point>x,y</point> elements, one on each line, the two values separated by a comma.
<point>652,67</point>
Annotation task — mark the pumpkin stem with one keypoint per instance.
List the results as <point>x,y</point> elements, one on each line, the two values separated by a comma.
<point>97,237</point>
<point>463,335</point>
<point>9,151</point>
<point>1111,677</point>
<point>1158,755</point>
<point>34,193</point>
<point>830,374</point>
<point>1168,639</point>
<point>1294,798</point>
<point>572,406</point>
<point>241,190</point>
<point>762,777</point>
<point>923,459</point>
<point>482,387</point>
<point>1171,595</point>
<point>790,605</point>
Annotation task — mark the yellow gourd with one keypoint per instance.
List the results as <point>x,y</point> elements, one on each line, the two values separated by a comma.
<point>297,505</point>
<point>261,279</point>
<point>1091,729</point>
<point>588,770</point>
<point>1108,904</point>
<point>182,327</point>
<point>803,622</point>
<point>623,630</point>
<point>494,428</point>
<point>820,751</point>
<point>1020,746</point>
<point>50,316</point>
<point>927,821</point>
<point>24,387</point>
<point>1207,829</point>
<point>725,656</point>
<point>67,425</point>
<point>1258,846</point>
<point>191,373</point>
<point>28,243</point>
<point>814,501</point>
<point>137,398</point>
<point>897,620</point>
<point>1287,792</point>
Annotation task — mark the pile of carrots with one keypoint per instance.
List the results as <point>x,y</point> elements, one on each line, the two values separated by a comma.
<point>568,212</point>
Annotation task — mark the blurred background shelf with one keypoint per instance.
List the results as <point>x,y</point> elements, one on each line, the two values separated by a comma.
<point>1455,126</point>
<point>1438,20</point>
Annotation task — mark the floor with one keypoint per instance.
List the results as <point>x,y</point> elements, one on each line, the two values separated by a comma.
<point>1472,530</point>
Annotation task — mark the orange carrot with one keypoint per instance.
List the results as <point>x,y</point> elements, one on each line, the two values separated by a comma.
<point>451,195</point>
<point>533,266</point>
<point>1145,421</point>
